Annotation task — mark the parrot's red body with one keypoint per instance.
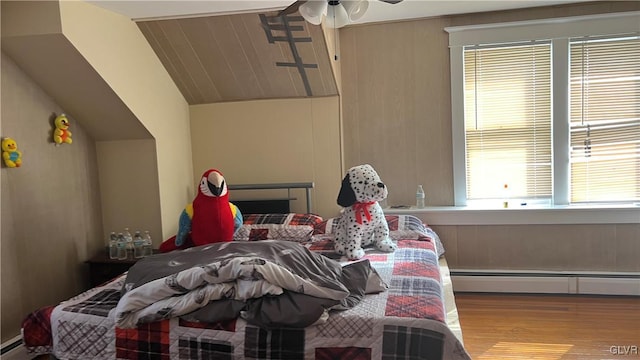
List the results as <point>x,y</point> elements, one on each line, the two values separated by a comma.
<point>212,219</point>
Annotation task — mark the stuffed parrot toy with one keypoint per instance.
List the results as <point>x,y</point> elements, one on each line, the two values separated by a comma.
<point>209,218</point>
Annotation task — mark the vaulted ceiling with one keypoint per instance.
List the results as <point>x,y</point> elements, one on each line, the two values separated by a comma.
<point>217,52</point>
<point>242,57</point>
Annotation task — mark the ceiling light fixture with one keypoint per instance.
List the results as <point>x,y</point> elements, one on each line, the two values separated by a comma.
<point>338,13</point>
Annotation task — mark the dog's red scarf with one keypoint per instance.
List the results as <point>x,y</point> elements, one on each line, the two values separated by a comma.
<point>362,208</point>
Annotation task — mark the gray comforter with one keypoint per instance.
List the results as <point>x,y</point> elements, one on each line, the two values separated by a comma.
<point>268,283</point>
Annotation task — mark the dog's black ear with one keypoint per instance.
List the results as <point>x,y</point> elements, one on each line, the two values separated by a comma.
<point>347,196</point>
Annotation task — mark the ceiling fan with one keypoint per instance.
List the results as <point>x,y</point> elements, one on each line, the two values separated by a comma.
<point>337,13</point>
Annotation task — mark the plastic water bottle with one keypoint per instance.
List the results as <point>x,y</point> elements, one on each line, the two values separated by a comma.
<point>113,246</point>
<point>122,247</point>
<point>420,197</point>
<point>129,242</point>
<point>148,244</point>
<point>138,245</point>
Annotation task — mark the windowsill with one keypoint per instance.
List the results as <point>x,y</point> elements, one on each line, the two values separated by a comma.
<point>571,214</point>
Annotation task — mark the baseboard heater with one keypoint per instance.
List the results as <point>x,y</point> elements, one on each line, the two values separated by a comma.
<point>12,349</point>
<point>543,282</point>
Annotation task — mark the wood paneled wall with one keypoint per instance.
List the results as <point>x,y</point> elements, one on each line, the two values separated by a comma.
<point>396,106</point>
<point>397,116</point>
<point>396,96</point>
<point>558,247</point>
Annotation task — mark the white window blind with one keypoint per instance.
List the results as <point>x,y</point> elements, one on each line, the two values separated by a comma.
<point>507,121</point>
<point>605,119</point>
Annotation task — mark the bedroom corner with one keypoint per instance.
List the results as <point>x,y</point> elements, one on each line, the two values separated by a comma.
<point>300,143</point>
<point>64,200</point>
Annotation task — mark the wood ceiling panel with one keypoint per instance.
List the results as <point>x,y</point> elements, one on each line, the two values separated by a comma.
<point>240,75</point>
<point>244,27</point>
<point>230,57</point>
<point>195,74</point>
<point>306,56</point>
<point>275,83</point>
<point>153,34</point>
<point>207,45</point>
<point>299,33</point>
<point>324,83</point>
<point>281,50</point>
<point>241,68</point>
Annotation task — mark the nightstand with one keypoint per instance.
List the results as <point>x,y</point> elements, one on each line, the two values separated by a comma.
<point>103,269</point>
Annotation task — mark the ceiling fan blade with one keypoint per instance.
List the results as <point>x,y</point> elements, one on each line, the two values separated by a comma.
<point>391,1</point>
<point>292,8</point>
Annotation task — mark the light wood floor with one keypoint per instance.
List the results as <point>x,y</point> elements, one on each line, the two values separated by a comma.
<point>509,326</point>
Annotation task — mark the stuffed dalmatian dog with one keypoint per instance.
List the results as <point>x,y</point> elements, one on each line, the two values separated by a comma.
<point>362,221</point>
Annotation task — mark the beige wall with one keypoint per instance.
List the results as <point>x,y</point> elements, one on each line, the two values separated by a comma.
<point>51,213</point>
<point>44,18</point>
<point>128,64</point>
<point>272,141</point>
<point>136,147</point>
<point>397,116</point>
<point>119,90</point>
<point>129,187</point>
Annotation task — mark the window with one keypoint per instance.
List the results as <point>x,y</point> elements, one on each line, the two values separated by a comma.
<point>605,119</point>
<point>507,121</point>
<point>555,116</point>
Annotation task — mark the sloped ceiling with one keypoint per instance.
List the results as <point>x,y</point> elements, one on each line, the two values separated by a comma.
<point>242,57</point>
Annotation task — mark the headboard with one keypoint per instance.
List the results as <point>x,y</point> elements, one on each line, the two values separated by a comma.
<point>271,205</point>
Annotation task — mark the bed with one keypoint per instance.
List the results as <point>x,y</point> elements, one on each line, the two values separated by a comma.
<point>413,317</point>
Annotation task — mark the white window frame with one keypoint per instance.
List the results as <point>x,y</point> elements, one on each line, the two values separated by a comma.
<point>559,31</point>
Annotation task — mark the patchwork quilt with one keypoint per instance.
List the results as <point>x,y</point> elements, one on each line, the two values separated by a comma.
<point>407,321</point>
